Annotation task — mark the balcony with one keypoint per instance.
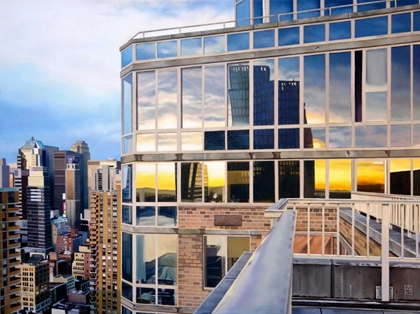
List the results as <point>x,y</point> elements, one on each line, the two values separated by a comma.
<point>363,250</point>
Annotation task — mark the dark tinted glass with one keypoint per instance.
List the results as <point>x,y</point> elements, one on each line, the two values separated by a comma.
<point>372,27</point>
<point>401,23</point>
<point>289,36</point>
<point>263,139</point>
<point>214,140</point>
<point>340,30</point>
<point>289,138</point>
<point>238,139</point>
<point>313,33</point>
<point>264,181</point>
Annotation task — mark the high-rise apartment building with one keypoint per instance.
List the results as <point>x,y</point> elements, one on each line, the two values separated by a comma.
<point>105,247</point>
<point>81,263</point>
<point>35,292</point>
<point>314,100</point>
<point>9,250</point>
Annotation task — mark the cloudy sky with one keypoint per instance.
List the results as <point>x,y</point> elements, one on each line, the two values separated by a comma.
<point>60,64</point>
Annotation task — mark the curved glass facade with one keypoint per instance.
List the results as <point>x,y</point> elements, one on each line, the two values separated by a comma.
<point>313,110</point>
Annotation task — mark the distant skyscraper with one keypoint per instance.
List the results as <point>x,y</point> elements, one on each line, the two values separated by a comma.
<point>82,148</point>
<point>4,173</point>
<point>73,193</point>
<point>10,246</point>
<point>105,178</point>
<point>105,251</point>
<point>38,210</point>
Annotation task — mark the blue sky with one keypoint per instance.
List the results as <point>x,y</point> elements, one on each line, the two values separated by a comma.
<point>60,64</point>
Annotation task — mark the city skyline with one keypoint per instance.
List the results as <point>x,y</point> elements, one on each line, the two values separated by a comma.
<point>71,91</point>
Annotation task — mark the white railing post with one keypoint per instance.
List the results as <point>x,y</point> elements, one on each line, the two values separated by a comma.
<point>385,253</point>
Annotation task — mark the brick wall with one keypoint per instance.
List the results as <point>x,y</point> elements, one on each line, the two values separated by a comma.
<point>194,223</point>
<point>315,219</point>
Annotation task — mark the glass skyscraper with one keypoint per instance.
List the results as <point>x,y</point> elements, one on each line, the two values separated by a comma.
<point>309,102</point>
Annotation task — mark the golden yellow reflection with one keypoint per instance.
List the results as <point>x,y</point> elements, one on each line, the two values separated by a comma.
<point>318,143</point>
<point>371,176</point>
<point>340,175</point>
<point>145,175</point>
<point>416,164</point>
<point>216,171</point>
<point>399,165</point>
<point>320,174</point>
<point>166,176</point>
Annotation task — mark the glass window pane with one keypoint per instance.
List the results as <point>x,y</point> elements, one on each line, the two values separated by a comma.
<point>416,82</point>
<point>145,51</point>
<point>400,83</point>
<point>238,182</point>
<point>215,255</point>
<point>191,141</point>
<point>400,3</point>
<point>127,291</point>
<point>127,186</point>
<point>258,11</point>
<point>214,96</point>
<point>289,36</point>
<point>314,71</point>
<point>401,23</point>
<point>340,87</point>
<point>289,179</point>
<point>214,140</point>
<point>400,176</point>
<point>370,176</point>
<point>238,91</point>
<point>371,27</point>
<point>167,216</point>
<point>289,138</point>
<point>127,257</point>
<point>238,139</point>
<point>338,6</point>
<point>376,106</point>
<point>145,182</point>
<point>166,182</point>
<point>313,33</point>
<point>373,5</point>
<point>263,39</point>
<point>193,177</point>
<point>167,99</point>
<point>243,13</point>
<point>416,176</point>
<point>145,259</point>
<point>340,30</point>
<point>167,259</point>
<point>264,92</point>
<point>236,42</point>
<point>145,296</point>
<point>214,44</point>
<point>126,104</point>
<point>126,311</point>
<point>314,178</point>
<point>214,178</point>
<point>340,178</point>
<point>310,6</point>
<point>146,143</point>
<point>192,93</point>
<point>145,216</point>
<point>371,136</point>
<point>167,49</point>
<point>235,247</point>
<point>263,139</point>
<point>126,56</point>
<point>289,91</point>
<point>264,182</point>
<point>416,134</point>
<point>167,142</point>
<point>191,47</point>
<point>278,10</point>
<point>416,22</point>
<point>146,100</point>
<point>127,144</point>
<point>318,137</point>
<point>127,214</point>
<point>340,137</point>
<point>400,135</point>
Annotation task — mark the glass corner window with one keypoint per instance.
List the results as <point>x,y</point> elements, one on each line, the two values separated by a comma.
<point>145,51</point>
<point>126,56</point>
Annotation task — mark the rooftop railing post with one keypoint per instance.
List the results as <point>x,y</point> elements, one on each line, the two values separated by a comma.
<point>385,253</point>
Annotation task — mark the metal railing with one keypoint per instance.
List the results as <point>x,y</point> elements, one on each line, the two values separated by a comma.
<point>355,229</point>
<point>251,21</point>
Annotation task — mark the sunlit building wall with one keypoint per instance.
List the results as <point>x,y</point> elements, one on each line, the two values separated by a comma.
<point>9,250</point>
<point>317,108</point>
